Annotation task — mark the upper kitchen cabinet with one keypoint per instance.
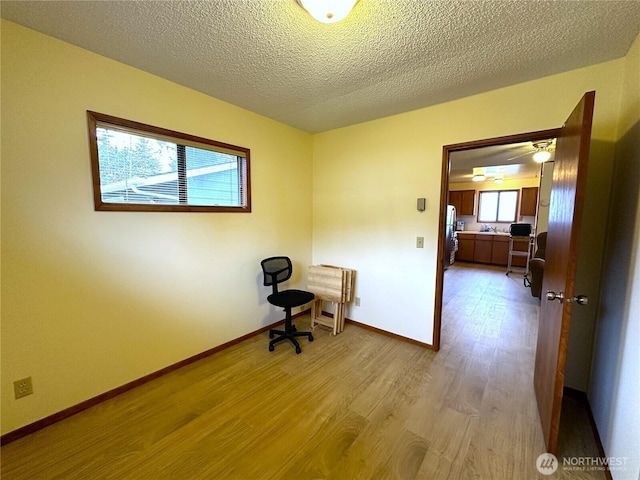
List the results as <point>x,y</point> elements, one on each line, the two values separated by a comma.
<point>463,200</point>
<point>529,202</point>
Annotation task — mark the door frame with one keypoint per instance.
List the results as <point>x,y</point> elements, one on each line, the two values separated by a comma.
<point>444,195</point>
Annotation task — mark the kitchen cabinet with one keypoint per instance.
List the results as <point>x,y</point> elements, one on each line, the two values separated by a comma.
<point>500,250</point>
<point>488,248</point>
<point>482,248</point>
<point>467,205</point>
<point>463,200</point>
<point>455,199</point>
<point>529,202</point>
<point>466,247</point>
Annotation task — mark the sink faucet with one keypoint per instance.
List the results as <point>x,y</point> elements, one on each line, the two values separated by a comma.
<point>495,229</point>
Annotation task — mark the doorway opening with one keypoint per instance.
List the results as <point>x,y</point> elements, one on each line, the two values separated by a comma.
<point>489,147</point>
<point>568,193</point>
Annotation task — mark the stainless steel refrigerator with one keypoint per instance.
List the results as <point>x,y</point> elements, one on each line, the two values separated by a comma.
<point>449,237</point>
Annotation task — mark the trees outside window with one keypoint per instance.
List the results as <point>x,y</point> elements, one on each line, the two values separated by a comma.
<point>140,167</point>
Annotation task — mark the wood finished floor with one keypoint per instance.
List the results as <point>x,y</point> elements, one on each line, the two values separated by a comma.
<point>356,406</point>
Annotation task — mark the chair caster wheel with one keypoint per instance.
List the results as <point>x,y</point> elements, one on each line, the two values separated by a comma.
<point>271,348</point>
<point>298,350</point>
<point>311,338</point>
<point>293,328</point>
<point>270,334</point>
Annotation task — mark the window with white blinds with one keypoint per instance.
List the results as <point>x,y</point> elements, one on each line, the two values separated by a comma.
<point>137,167</point>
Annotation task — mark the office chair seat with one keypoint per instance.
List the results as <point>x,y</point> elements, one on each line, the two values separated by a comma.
<point>277,270</point>
<point>290,298</point>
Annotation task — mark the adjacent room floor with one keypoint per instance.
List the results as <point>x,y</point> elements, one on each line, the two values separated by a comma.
<point>359,405</point>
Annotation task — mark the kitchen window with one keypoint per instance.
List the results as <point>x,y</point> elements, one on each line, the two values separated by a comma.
<point>138,167</point>
<point>498,206</point>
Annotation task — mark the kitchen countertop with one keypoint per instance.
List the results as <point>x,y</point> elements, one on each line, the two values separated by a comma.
<point>469,232</point>
<point>502,234</point>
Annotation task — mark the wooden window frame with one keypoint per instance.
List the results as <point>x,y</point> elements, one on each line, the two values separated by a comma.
<point>499,192</point>
<point>97,120</point>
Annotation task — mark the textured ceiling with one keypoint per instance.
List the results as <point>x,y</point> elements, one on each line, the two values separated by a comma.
<point>387,57</point>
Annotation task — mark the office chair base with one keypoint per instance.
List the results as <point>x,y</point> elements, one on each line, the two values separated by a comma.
<point>289,333</point>
<point>273,331</point>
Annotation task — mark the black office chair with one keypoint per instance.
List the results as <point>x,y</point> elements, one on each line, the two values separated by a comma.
<point>277,270</point>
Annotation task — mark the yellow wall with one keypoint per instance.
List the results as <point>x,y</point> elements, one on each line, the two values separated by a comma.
<point>93,300</point>
<point>366,179</point>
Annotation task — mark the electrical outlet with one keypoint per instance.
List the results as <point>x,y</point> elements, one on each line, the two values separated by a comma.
<point>357,301</point>
<point>23,387</point>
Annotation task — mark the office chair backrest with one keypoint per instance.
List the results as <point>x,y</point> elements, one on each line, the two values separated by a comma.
<point>276,270</point>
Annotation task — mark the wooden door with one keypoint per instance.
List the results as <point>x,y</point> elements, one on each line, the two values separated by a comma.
<point>565,216</point>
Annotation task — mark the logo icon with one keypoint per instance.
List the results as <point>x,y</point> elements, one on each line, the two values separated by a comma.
<point>547,464</point>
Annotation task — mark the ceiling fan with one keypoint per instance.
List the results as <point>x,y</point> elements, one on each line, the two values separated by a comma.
<point>541,151</point>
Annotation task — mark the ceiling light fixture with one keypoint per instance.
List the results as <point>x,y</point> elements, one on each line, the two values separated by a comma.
<point>543,151</point>
<point>478,174</point>
<point>498,179</point>
<point>328,11</point>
